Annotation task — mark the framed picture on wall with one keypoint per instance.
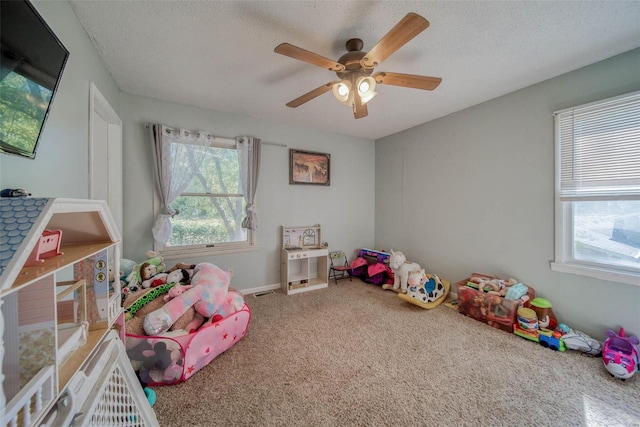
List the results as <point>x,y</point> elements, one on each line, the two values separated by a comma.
<point>308,167</point>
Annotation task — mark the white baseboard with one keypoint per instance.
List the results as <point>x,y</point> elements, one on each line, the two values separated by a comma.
<point>260,289</point>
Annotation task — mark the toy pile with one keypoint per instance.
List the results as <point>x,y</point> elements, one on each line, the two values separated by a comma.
<point>620,353</point>
<point>178,319</point>
<point>392,271</point>
<point>513,306</point>
<point>148,287</point>
<point>492,300</point>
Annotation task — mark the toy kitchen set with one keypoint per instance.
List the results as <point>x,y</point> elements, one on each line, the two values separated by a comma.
<point>304,259</point>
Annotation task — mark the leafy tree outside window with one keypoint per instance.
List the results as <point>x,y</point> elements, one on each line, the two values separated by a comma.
<point>210,209</point>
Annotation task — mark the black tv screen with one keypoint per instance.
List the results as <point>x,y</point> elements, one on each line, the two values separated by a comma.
<point>31,65</point>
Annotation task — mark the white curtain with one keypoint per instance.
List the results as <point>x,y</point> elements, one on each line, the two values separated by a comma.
<point>177,159</point>
<point>249,161</point>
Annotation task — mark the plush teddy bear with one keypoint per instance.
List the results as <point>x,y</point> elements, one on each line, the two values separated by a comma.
<point>209,295</point>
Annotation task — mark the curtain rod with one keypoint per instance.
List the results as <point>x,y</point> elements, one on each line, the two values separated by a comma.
<point>233,140</point>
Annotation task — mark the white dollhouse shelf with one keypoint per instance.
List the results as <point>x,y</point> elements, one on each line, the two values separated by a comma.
<point>50,328</point>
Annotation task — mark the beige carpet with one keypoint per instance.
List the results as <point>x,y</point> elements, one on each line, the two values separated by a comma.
<point>356,355</point>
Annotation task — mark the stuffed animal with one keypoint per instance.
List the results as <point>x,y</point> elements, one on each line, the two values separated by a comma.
<point>401,269</point>
<point>178,289</point>
<point>126,267</point>
<point>425,287</point>
<point>197,320</point>
<point>425,290</point>
<point>209,295</point>
<point>139,303</point>
<point>153,265</point>
<point>112,276</point>
<point>175,276</point>
<point>183,266</point>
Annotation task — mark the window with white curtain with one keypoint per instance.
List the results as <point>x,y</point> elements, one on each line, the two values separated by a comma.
<point>598,189</point>
<point>211,207</point>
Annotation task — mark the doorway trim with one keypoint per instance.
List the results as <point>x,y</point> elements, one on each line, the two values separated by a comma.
<point>98,104</point>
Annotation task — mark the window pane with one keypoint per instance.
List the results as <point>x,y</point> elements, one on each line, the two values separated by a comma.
<point>218,172</point>
<point>207,220</point>
<point>607,232</point>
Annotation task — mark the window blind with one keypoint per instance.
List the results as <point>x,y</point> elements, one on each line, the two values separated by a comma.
<point>600,150</point>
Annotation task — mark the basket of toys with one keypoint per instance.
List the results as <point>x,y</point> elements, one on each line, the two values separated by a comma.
<point>174,330</point>
<point>493,301</point>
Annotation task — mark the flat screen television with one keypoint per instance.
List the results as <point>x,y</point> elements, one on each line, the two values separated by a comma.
<point>31,64</point>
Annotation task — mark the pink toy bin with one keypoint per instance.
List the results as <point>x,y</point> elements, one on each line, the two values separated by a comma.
<point>167,360</point>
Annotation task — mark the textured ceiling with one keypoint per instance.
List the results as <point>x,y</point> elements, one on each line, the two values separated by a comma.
<point>219,54</point>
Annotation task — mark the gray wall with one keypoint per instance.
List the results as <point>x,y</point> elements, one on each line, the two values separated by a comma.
<point>61,166</point>
<point>474,192</point>
<point>345,209</point>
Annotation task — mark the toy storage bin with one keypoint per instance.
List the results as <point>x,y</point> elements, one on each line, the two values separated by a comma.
<point>377,279</point>
<point>363,267</point>
<point>360,272</point>
<point>491,309</point>
<point>166,360</point>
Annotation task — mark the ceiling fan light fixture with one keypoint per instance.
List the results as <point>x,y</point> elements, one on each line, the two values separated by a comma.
<point>357,83</point>
<point>366,88</point>
<point>342,90</point>
<point>368,97</point>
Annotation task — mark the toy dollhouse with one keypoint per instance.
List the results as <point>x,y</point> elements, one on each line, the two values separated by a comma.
<point>61,329</point>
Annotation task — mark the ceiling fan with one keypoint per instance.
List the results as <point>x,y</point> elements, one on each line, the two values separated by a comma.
<point>357,84</point>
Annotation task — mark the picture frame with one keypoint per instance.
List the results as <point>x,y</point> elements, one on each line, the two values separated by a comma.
<point>309,167</point>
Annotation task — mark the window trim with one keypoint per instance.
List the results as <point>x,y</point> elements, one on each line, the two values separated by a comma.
<point>564,261</point>
<point>195,251</point>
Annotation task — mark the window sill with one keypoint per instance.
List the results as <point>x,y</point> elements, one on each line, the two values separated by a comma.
<point>597,273</point>
<point>176,253</point>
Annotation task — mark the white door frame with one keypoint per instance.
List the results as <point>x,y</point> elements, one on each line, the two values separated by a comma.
<point>98,104</point>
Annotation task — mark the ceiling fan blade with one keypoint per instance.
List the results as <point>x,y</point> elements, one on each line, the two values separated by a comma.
<point>359,109</point>
<point>407,80</point>
<point>298,53</point>
<point>409,27</point>
<point>310,95</point>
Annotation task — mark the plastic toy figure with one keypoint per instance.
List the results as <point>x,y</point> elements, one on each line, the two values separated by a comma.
<point>620,354</point>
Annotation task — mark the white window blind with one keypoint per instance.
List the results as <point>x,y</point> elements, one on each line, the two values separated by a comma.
<point>600,150</point>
